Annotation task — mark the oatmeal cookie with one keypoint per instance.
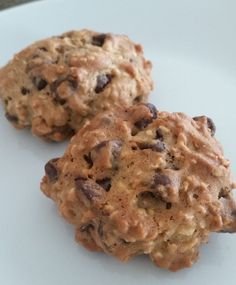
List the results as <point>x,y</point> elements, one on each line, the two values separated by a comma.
<point>56,84</point>
<point>138,181</point>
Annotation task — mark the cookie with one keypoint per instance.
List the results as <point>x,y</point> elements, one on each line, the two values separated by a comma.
<point>55,85</point>
<point>138,181</point>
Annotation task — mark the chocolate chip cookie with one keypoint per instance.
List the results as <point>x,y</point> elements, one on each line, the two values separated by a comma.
<point>138,181</point>
<point>57,84</point>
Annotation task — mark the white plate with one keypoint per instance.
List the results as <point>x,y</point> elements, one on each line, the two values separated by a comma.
<point>192,45</point>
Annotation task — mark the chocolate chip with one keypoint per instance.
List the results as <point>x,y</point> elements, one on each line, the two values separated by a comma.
<point>210,124</point>
<point>158,146</point>
<point>112,148</point>
<point>168,205</point>
<point>105,183</point>
<point>99,40</point>
<point>90,189</point>
<point>161,179</point>
<point>143,122</point>
<point>86,227</point>
<point>116,146</point>
<point>40,83</point>
<point>88,159</point>
<point>145,199</point>
<point>59,100</point>
<point>159,135</point>
<point>25,91</point>
<point>224,193</point>
<point>102,81</point>
<point>50,170</point>
<point>152,110</point>
<point>11,118</point>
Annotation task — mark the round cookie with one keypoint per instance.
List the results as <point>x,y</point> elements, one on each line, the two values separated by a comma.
<point>56,84</point>
<point>137,181</point>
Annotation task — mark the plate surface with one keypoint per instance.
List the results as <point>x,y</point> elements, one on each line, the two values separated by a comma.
<point>192,46</point>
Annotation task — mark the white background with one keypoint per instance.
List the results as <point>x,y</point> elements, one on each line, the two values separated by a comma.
<point>192,45</point>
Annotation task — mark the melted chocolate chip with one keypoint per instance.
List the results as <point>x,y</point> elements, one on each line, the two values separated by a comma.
<point>11,118</point>
<point>40,83</point>
<point>161,179</point>
<point>25,91</point>
<point>88,159</point>
<point>50,170</point>
<point>210,124</point>
<point>158,146</point>
<point>159,135</point>
<point>86,227</point>
<point>102,81</point>
<point>105,183</point>
<point>143,122</point>
<point>99,40</point>
<point>90,189</point>
<point>168,205</point>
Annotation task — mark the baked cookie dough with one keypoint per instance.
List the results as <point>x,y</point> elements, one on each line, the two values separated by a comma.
<point>138,181</point>
<point>56,84</point>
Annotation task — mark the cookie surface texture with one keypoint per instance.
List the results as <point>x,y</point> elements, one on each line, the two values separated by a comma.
<point>138,181</point>
<point>57,84</point>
